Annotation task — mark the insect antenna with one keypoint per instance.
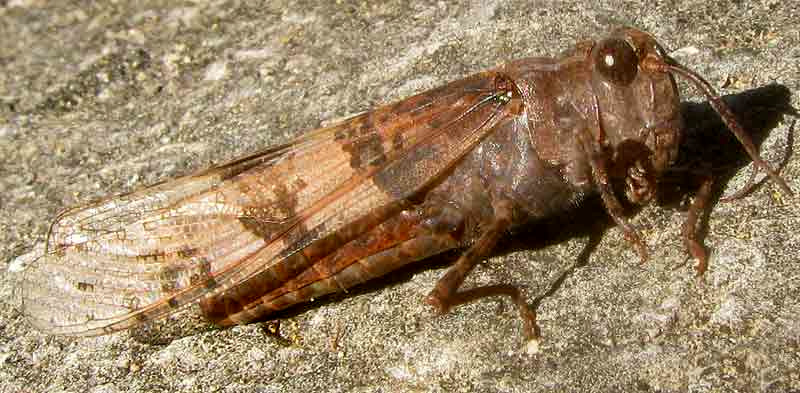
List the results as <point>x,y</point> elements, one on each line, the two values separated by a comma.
<point>727,117</point>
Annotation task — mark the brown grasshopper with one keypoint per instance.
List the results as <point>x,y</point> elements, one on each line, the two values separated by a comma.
<point>454,167</point>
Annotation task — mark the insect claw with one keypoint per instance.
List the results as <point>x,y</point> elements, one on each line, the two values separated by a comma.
<point>641,249</point>
<point>633,236</point>
<point>532,331</point>
<point>434,299</point>
<point>700,257</point>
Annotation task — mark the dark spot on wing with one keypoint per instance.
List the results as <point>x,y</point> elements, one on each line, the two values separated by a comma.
<point>210,283</point>
<point>203,272</point>
<point>154,256</point>
<point>261,228</point>
<point>187,252</point>
<point>366,151</point>
<point>168,277</point>
<point>270,219</point>
<point>131,303</point>
<point>299,184</point>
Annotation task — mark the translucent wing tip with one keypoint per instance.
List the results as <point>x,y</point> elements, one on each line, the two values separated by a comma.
<point>51,301</point>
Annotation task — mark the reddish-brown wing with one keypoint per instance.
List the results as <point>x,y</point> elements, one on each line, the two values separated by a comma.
<point>137,257</point>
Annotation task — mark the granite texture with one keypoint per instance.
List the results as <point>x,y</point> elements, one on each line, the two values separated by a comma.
<point>105,98</point>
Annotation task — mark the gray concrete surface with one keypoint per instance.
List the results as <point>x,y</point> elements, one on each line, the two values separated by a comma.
<point>105,98</point>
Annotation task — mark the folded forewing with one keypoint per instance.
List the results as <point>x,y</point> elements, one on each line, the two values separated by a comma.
<point>137,257</point>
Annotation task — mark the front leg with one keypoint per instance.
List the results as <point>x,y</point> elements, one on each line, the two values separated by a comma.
<point>599,163</point>
<point>690,230</point>
<point>446,294</point>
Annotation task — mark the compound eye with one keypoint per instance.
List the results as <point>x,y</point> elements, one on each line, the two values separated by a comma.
<point>616,60</point>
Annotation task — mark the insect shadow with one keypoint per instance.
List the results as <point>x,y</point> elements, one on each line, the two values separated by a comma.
<point>707,144</point>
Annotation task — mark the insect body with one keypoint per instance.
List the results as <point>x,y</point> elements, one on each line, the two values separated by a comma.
<point>454,167</point>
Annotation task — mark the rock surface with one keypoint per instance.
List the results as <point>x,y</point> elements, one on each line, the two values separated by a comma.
<point>105,99</point>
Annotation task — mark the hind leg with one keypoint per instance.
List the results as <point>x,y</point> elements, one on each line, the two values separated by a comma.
<point>446,294</point>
